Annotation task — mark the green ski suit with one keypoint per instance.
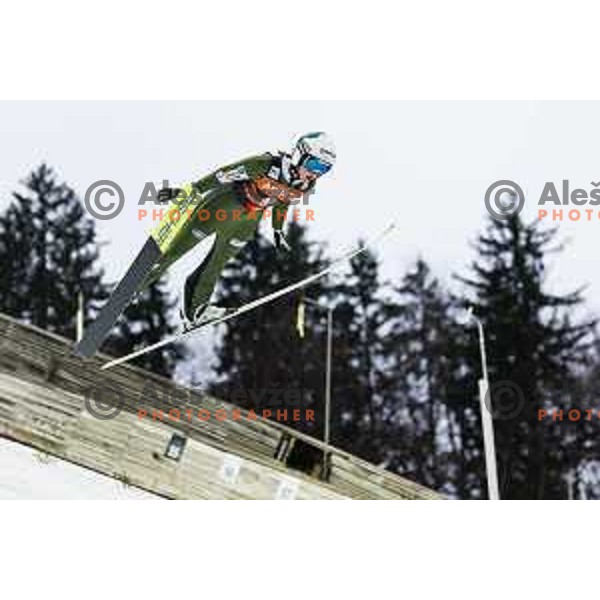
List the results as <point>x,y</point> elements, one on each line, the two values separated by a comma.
<point>228,204</point>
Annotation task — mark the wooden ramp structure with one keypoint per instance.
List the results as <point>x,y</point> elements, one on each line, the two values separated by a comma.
<point>47,401</point>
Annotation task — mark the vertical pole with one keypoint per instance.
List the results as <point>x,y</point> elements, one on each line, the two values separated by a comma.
<point>482,351</point>
<point>328,387</point>
<point>487,422</point>
<point>79,330</point>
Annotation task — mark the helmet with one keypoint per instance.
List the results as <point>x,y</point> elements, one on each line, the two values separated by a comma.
<point>315,152</point>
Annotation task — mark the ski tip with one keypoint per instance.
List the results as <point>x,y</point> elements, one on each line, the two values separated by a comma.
<point>391,227</point>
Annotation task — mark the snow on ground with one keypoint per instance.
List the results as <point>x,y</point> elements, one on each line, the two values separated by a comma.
<point>27,474</point>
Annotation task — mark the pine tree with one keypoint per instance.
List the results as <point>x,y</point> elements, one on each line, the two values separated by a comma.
<point>358,365</point>
<point>533,342</point>
<point>48,255</point>
<point>422,341</point>
<point>16,234</point>
<point>579,450</point>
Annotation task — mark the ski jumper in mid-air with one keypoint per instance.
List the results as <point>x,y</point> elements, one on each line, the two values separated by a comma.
<point>227,206</point>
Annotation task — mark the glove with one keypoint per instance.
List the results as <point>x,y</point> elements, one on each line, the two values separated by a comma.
<point>168,194</point>
<point>281,242</point>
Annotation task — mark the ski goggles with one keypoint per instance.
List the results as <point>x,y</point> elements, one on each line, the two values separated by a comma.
<point>316,165</point>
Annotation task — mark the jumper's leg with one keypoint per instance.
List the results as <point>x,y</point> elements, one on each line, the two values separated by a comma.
<point>200,284</point>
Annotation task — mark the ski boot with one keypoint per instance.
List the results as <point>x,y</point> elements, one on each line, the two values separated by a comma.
<point>205,313</point>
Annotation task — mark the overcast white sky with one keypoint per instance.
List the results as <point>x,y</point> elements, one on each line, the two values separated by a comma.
<point>424,165</point>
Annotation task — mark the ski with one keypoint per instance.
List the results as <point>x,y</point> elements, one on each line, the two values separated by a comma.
<point>95,334</point>
<point>251,305</point>
<point>155,248</point>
